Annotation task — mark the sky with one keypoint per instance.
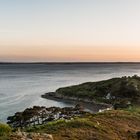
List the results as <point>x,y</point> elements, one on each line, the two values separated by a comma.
<point>69,30</point>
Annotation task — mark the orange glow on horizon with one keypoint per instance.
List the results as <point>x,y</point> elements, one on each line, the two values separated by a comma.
<point>72,53</point>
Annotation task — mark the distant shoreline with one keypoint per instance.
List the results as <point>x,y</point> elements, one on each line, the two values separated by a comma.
<point>69,63</point>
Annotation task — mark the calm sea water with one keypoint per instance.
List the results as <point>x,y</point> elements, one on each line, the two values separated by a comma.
<point>21,85</point>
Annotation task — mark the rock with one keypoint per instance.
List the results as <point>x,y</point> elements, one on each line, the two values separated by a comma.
<point>49,137</point>
<point>30,136</point>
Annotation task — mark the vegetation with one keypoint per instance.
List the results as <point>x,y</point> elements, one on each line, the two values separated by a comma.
<point>109,91</point>
<point>74,124</point>
<point>42,115</point>
<point>133,109</point>
<point>5,130</point>
<point>109,125</point>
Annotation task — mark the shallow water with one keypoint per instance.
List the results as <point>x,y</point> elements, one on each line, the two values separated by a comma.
<point>22,84</point>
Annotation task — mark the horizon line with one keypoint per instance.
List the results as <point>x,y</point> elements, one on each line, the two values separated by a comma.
<point>74,62</point>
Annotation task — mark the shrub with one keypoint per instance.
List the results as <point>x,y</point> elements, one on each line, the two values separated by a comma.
<point>4,129</point>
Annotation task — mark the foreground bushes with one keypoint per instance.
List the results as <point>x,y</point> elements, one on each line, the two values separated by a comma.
<point>4,130</point>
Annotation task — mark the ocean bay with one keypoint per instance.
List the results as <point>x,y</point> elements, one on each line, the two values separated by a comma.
<point>21,85</point>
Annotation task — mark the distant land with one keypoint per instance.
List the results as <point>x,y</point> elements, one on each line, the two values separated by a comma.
<point>124,89</point>
<point>69,62</point>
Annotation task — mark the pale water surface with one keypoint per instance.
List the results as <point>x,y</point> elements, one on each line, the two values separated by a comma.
<point>22,84</point>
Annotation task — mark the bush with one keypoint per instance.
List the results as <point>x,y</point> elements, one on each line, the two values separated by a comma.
<point>4,129</point>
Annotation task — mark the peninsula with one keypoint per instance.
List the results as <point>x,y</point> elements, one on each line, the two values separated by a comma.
<point>124,90</point>
<point>73,123</point>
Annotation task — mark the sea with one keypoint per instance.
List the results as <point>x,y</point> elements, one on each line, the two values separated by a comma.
<point>21,84</point>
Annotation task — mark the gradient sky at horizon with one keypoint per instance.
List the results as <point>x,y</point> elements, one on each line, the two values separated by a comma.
<point>69,30</point>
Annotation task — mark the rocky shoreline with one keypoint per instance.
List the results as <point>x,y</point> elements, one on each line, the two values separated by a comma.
<point>117,92</point>
<point>91,105</point>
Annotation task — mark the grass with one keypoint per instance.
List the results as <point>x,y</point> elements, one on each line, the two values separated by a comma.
<point>134,109</point>
<point>5,130</point>
<point>54,126</point>
<point>109,125</point>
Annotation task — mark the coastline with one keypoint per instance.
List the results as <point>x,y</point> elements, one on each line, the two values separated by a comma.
<point>101,95</point>
<point>90,105</point>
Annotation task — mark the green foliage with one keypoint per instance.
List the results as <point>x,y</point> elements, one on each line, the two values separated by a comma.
<point>134,109</point>
<point>4,130</point>
<point>119,88</point>
<point>52,127</point>
<point>83,123</point>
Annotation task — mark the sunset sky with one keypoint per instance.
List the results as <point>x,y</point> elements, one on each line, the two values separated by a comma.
<point>69,30</point>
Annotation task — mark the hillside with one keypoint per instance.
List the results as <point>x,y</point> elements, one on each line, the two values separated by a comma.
<point>110,125</point>
<point>107,91</point>
<point>73,123</point>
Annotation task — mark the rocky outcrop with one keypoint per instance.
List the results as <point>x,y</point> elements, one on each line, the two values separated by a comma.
<point>30,136</point>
